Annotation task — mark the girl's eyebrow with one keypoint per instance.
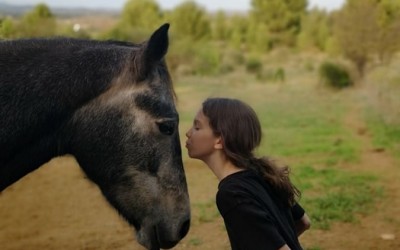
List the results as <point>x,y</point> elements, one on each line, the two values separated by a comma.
<point>196,122</point>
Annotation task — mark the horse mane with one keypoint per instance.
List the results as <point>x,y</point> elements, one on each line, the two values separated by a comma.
<point>45,80</point>
<point>42,81</point>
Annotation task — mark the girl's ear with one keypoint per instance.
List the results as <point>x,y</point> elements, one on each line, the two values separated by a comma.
<point>218,143</point>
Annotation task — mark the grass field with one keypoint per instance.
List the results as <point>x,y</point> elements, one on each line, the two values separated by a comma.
<point>342,147</point>
<point>302,127</point>
<point>305,126</point>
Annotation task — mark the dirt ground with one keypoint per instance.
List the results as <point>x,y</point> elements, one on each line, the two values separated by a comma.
<point>56,207</point>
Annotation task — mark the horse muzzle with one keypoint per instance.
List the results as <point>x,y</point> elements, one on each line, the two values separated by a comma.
<point>163,236</point>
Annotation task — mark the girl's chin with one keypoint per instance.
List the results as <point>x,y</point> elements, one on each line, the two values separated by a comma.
<point>191,155</point>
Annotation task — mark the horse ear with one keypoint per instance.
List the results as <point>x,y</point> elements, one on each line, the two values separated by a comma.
<point>157,45</point>
<point>154,49</point>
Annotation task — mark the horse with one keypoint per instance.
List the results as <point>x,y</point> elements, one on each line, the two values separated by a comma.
<point>110,104</point>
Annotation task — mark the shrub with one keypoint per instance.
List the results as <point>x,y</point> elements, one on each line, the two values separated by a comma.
<point>180,56</point>
<point>235,57</point>
<point>254,65</point>
<point>207,61</point>
<point>279,75</point>
<point>272,75</point>
<point>335,75</point>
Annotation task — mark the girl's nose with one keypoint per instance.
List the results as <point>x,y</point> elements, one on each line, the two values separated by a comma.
<point>188,133</point>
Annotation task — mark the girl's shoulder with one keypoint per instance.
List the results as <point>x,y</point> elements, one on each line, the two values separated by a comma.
<point>238,178</point>
<point>243,187</point>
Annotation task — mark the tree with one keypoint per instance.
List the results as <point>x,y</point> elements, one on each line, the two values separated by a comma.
<point>139,18</point>
<point>258,38</point>
<point>238,28</point>
<point>368,28</point>
<point>388,15</point>
<point>7,28</point>
<point>220,26</point>
<point>356,31</point>
<point>315,30</point>
<point>143,14</point>
<point>40,22</point>
<point>190,20</point>
<point>282,18</point>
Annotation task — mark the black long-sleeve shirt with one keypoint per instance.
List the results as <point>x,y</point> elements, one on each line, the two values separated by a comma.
<point>254,217</point>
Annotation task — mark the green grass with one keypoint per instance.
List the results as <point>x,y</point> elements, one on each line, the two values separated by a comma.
<point>195,242</point>
<point>331,194</point>
<point>382,107</point>
<point>205,211</point>
<point>385,135</point>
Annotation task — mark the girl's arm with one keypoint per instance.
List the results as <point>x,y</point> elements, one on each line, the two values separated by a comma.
<point>285,247</point>
<point>303,224</point>
<point>301,220</point>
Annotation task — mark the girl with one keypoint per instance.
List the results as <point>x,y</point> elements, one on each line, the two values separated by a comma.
<point>255,198</point>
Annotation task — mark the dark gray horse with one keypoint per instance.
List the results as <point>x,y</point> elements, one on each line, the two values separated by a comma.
<point>112,106</point>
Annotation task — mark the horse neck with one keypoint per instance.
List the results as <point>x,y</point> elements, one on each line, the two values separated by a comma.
<point>36,101</point>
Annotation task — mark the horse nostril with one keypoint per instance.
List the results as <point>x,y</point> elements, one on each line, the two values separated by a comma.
<point>184,228</point>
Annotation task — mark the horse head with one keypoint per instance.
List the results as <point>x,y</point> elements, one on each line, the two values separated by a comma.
<point>127,142</point>
<point>111,105</point>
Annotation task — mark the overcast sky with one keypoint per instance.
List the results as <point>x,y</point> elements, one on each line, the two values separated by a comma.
<point>212,5</point>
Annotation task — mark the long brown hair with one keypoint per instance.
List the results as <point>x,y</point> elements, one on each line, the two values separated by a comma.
<point>240,130</point>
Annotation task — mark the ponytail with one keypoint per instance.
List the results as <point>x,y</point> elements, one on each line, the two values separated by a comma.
<point>274,175</point>
<point>277,177</point>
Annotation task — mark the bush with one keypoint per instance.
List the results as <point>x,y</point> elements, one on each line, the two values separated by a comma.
<point>198,58</point>
<point>235,57</point>
<point>127,33</point>
<point>335,75</point>
<point>272,75</point>
<point>254,65</point>
<point>7,28</point>
<point>180,57</point>
<point>208,60</point>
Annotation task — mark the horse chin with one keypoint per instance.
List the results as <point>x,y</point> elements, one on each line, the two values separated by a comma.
<point>147,237</point>
<point>150,239</point>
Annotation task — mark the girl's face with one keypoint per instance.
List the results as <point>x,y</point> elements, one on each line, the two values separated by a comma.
<point>201,141</point>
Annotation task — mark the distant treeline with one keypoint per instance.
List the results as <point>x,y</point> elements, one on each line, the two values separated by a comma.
<point>363,31</point>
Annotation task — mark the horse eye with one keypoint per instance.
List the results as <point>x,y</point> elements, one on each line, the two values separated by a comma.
<point>166,127</point>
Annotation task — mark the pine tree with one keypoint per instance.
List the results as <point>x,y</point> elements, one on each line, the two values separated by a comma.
<point>190,21</point>
<point>281,17</point>
<point>40,22</point>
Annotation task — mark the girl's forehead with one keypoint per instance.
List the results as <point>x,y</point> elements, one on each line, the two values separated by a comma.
<point>201,117</point>
<point>200,114</point>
